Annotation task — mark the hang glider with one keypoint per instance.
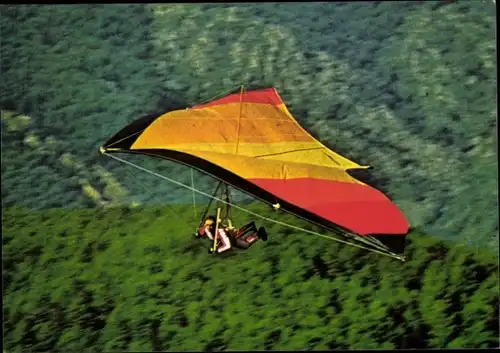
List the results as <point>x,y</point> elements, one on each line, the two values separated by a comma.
<point>250,141</point>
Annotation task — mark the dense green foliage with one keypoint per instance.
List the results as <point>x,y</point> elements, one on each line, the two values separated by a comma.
<point>134,279</point>
<point>406,87</point>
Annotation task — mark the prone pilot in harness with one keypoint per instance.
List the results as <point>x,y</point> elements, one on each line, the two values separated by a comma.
<point>228,237</point>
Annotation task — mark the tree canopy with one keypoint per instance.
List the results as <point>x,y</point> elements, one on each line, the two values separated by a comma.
<point>96,255</point>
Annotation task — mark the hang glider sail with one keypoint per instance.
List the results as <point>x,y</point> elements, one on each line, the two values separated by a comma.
<point>249,140</point>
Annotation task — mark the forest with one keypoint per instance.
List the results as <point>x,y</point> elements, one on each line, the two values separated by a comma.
<point>91,260</point>
<point>131,279</point>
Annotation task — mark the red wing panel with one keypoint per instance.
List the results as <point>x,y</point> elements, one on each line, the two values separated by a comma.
<point>357,207</point>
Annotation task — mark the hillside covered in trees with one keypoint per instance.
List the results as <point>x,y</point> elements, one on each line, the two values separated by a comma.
<point>92,259</point>
<point>136,280</point>
<point>407,87</point>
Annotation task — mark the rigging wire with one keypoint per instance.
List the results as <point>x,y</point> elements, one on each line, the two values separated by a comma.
<point>225,93</point>
<point>194,195</point>
<point>251,212</point>
<point>143,185</point>
<point>239,119</point>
